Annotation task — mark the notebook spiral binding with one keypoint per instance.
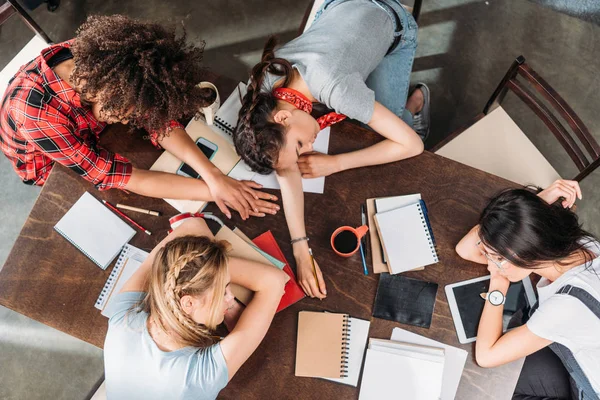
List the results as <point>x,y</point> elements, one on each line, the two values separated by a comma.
<point>346,328</point>
<point>112,278</point>
<point>427,229</point>
<point>224,125</point>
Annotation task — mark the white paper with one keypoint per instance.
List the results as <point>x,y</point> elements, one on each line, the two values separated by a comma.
<point>95,230</point>
<point>453,366</point>
<point>314,185</point>
<point>384,204</point>
<point>393,376</point>
<point>359,332</point>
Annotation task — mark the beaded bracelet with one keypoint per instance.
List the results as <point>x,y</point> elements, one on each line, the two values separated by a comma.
<point>300,239</point>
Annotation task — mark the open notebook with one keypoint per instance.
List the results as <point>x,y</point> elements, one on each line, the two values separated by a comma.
<point>393,368</point>
<point>407,238</point>
<point>129,261</point>
<point>95,230</point>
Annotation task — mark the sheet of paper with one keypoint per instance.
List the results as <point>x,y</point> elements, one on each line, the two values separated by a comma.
<point>315,185</point>
<point>453,366</point>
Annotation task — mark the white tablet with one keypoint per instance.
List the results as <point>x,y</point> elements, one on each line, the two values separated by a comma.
<point>466,304</point>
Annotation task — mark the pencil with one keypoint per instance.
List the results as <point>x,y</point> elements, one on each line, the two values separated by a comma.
<point>140,210</point>
<point>312,260</point>
<point>132,222</point>
<point>364,261</point>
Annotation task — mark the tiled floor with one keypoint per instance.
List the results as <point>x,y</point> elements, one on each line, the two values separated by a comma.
<point>465,46</point>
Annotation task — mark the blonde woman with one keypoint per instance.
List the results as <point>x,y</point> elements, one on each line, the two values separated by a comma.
<point>159,343</point>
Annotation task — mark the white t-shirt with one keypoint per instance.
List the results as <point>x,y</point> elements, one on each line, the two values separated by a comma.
<point>564,319</point>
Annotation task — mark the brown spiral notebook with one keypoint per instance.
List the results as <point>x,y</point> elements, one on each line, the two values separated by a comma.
<point>322,348</point>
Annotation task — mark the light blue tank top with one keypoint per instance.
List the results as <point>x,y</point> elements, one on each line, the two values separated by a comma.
<point>135,368</point>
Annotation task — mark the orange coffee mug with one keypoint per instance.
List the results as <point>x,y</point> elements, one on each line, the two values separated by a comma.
<point>345,241</point>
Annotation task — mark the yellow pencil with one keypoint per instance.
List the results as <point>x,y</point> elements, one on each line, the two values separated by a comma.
<point>312,260</point>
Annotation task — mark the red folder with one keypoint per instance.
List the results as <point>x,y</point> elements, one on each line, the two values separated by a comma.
<point>293,292</point>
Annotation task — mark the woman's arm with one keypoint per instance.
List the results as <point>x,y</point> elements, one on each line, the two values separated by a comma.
<point>268,284</point>
<point>193,226</point>
<point>224,190</point>
<point>492,348</point>
<point>467,247</point>
<point>401,142</point>
<point>172,186</point>
<point>292,196</point>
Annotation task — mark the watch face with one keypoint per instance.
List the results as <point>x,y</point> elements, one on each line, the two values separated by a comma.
<point>496,297</point>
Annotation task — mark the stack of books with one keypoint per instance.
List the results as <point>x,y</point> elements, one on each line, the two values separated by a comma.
<point>402,239</point>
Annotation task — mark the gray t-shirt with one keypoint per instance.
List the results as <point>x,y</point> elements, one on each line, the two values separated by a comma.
<point>337,53</point>
<point>135,368</point>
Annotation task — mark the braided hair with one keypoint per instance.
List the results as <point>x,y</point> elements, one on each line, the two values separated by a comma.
<point>128,64</point>
<point>188,265</point>
<point>257,138</point>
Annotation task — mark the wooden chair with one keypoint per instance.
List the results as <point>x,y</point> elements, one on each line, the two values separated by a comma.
<point>11,7</point>
<point>495,144</point>
<point>313,7</point>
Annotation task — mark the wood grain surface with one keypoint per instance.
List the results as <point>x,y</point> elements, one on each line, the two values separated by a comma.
<point>47,279</point>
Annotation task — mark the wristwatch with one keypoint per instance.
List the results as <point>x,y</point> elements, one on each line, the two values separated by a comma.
<point>495,297</point>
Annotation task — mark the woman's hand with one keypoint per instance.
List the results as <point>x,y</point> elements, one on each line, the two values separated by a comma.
<point>314,165</point>
<point>241,196</point>
<point>568,190</point>
<point>233,314</point>
<point>306,277</point>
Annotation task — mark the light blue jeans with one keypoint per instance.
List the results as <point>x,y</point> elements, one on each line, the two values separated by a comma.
<point>390,80</point>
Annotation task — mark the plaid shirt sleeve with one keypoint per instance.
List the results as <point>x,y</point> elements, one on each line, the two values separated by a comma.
<point>54,136</point>
<point>154,134</point>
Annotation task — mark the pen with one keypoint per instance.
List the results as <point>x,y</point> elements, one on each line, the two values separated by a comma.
<point>132,222</point>
<point>362,255</point>
<point>363,217</point>
<point>140,210</point>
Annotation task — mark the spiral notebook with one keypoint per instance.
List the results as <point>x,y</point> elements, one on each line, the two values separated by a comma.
<point>128,262</point>
<point>407,238</point>
<point>322,349</point>
<point>95,230</point>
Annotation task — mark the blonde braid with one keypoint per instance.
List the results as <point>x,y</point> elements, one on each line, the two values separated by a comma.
<point>173,292</point>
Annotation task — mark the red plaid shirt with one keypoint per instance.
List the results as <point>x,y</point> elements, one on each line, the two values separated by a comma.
<point>42,121</point>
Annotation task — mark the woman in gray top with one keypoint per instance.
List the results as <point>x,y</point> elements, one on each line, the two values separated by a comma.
<point>356,59</point>
<point>159,343</point>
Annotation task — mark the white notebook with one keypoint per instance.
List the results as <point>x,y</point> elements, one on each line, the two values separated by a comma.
<point>407,240</point>
<point>394,371</point>
<point>129,261</point>
<point>359,333</point>
<point>95,230</point>
<point>454,363</point>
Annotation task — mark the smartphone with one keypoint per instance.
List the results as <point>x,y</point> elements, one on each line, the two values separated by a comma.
<point>208,148</point>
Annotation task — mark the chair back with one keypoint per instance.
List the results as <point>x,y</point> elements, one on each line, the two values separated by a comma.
<point>11,7</point>
<point>579,143</point>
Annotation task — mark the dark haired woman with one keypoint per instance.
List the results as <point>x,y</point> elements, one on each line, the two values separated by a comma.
<point>356,59</point>
<point>115,70</point>
<point>520,233</point>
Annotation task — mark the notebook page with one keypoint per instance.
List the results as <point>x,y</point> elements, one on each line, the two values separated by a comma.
<point>384,204</point>
<point>454,363</point>
<point>131,265</point>
<point>95,230</point>
<point>359,333</point>
<point>386,375</point>
<point>405,238</point>
<point>319,345</point>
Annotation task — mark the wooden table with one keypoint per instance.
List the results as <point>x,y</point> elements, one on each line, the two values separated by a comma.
<point>47,279</point>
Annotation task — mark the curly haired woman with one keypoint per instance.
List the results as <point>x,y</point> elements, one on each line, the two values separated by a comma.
<point>116,70</point>
<point>356,59</point>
